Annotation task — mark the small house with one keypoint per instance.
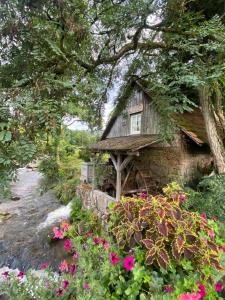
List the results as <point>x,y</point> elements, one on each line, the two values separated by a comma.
<point>142,159</point>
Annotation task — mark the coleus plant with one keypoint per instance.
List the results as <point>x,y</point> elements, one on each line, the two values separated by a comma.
<point>167,232</point>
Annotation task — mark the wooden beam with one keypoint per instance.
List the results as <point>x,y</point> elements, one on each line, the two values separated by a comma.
<point>113,160</point>
<point>125,162</point>
<point>118,178</point>
<point>126,178</point>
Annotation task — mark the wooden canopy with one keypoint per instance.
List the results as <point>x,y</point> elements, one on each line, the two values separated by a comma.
<point>131,143</point>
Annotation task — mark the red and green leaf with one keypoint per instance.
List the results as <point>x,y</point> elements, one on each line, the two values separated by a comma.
<point>150,256</point>
<point>148,243</point>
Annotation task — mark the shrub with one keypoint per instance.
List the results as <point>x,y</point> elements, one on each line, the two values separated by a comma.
<point>84,220</point>
<point>66,190</point>
<point>170,235</point>
<point>97,269</point>
<point>49,167</point>
<point>209,197</point>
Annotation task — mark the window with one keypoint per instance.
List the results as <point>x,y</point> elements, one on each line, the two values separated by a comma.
<point>135,123</point>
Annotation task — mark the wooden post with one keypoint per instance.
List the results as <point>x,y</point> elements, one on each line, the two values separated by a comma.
<point>118,178</point>
<point>119,166</point>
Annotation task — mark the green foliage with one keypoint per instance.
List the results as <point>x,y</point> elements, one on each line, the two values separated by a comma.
<point>49,167</point>
<point>208,197</point>
<point>66,190</point>
<point>170,235</point>
<point>84,220</point>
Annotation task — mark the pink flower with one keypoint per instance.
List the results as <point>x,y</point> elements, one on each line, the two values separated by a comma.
<point>214,218</point>
<point>67,245</point>
<point>128,263</point>
<point>43,266</point>
<point>223,249</point>
<point>87,286</point>
<point>204,216</point>
<point>64,266</point>
<point>65,284</point>
<point>182,197</point>
<point>105,244</point>
<point>76,255</point>
<point>21,275</point>
<point>58,234</point>
<point>211,233</point>
<point>97,240</point>
<point>188,296</point>
<point>114,258</point>
<point>218,287</point>
<point>168,289</point>
<point>66,226</point>
<point>73,268</point>
<point>59,292</point>
<point>202,290</point>
<point>90,234</point>
<point>5,274</point>
<point>143,195</point>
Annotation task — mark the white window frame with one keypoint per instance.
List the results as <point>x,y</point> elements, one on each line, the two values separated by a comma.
<point>133,119</point>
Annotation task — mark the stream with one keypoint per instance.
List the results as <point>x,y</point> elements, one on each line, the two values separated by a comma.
<point>26,223</point>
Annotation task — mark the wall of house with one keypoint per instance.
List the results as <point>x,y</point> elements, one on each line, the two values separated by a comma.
<point>139,102</point>
<point>156,166</point>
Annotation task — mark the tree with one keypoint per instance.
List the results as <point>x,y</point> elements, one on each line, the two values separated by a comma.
<point>60,57</point>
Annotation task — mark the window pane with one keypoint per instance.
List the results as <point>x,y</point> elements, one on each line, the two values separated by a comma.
<point>135,123</point>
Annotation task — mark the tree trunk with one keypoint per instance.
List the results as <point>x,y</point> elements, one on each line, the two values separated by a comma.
<point>215,140</point>
<point>219,106</point>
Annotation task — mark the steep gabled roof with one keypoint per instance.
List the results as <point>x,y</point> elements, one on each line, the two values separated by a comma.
<point>191,123</point>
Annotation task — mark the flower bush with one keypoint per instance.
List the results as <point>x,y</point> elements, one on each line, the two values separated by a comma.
<point>170,235</point>
<point>97,268</point>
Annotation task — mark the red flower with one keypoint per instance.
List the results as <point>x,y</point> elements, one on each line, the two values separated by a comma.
<point>97,240</point>
<point>87,286</point>
<point>65,284</point>
<point>218,287</point>
<point>59,292</point>
<point>202,290</point>
<point>21,275</point>
<point>105,244</point>
<point>73,268</point>
<point>204,216</point>
<point>5,274</point>
<point>67,245</point>
<point>43,266</point>
<point>58,234</point>
<point>114,258</point>
<point>64,266</point>
<point>128,263</point>
<point>168,289</point>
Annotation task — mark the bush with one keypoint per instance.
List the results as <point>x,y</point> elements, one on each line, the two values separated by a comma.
<point>209,197</point>
<point>171,236</point>
<point>66,190</point>
<point>84,220</point>
<point>98,270</point>
<point>49,167</point>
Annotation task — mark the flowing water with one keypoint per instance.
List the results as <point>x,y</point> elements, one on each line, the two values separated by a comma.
<point>26,224</point>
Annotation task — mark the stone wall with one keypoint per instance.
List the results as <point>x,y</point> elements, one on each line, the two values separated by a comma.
<point>94,199</point>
